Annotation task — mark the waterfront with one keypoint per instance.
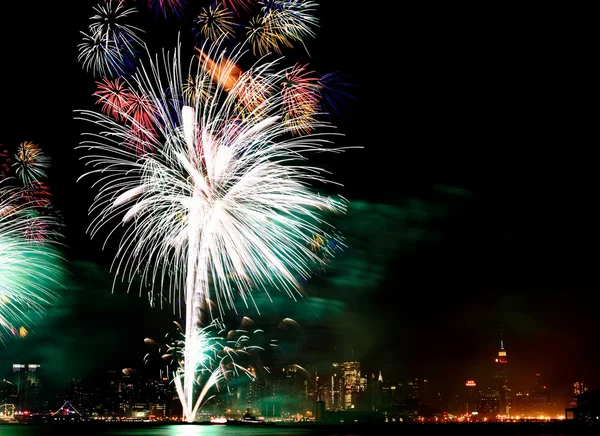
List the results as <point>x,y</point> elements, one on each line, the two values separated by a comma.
<point>563,428</point>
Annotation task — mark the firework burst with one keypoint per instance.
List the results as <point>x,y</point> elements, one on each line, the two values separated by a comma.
<point>215,22</point>
<point>31,268</point>
<point>30,162</point>
<point>97,57</point>
<point>291,20</point>
<point>110,24</point>
<point>111,45</point>
<point>114,96</point>
<point>223,205</point>
<point>264,37</point>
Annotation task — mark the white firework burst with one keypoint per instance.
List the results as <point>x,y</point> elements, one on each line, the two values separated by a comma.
<point>225,202</point>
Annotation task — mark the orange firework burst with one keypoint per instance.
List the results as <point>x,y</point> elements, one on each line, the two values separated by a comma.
<point>250,92</point>
<point>224,72</point>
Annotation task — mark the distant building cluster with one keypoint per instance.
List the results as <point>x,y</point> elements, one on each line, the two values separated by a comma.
<point>336,392</point>
<point>500,400</point>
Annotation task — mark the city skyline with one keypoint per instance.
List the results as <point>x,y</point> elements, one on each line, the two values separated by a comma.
<point>495,374</point>
<point>472,202</point>
<point>279,393</point>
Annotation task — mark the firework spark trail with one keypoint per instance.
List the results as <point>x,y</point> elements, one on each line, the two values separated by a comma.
<point>30,270</point>
<point>219,355</point>
<point>223,205</point>
<point>213,354</point>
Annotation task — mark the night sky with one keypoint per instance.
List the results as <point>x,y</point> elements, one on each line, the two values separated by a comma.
<point>473,202</point>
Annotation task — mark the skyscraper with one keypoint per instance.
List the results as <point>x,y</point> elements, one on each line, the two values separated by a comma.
<point>501,378</point>
<point>351,373</point>
<point>336,394</point>
<point>28,385</point>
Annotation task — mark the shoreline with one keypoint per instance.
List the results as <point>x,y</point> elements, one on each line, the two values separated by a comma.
<point>395,425</point>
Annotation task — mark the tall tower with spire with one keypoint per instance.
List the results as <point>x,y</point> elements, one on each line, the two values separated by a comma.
<point>501,377</point>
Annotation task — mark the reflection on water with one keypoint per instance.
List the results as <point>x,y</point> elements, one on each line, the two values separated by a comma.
<point>566,428</point>
<point>162,430</point>
<point>211,430</point>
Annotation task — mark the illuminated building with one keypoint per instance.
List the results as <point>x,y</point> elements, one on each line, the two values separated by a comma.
<point>501,379</point>
<point>66,413</point>
<point>336,386</point>
<point>363,383</point>
<point>470,398</point>
<point>532,404</point>
<point>256,388</point>
<point>418,390</point>
<point>8,392</point>
<point>488,404</point>
<point>578,389</point>
<point>351,374</point>
<point>28,385</point>
<point>374,391</point>
<point>7,411</point>
<point>416,395</point>
<point>588,407</point>
<point>319,411</point>
<point>535,403</point>
<point>320,389</point>
<point>161,397</point>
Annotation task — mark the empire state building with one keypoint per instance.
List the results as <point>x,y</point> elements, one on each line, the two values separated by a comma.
<point>501,379</point>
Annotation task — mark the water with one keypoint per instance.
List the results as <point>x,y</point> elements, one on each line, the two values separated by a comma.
<point>168,430</point>
<point>140,429</point>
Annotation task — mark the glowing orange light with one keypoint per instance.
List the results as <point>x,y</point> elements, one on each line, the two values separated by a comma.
<point>224,72</point>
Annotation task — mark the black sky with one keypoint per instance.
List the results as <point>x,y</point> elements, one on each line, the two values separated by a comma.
<point>494,103</point>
